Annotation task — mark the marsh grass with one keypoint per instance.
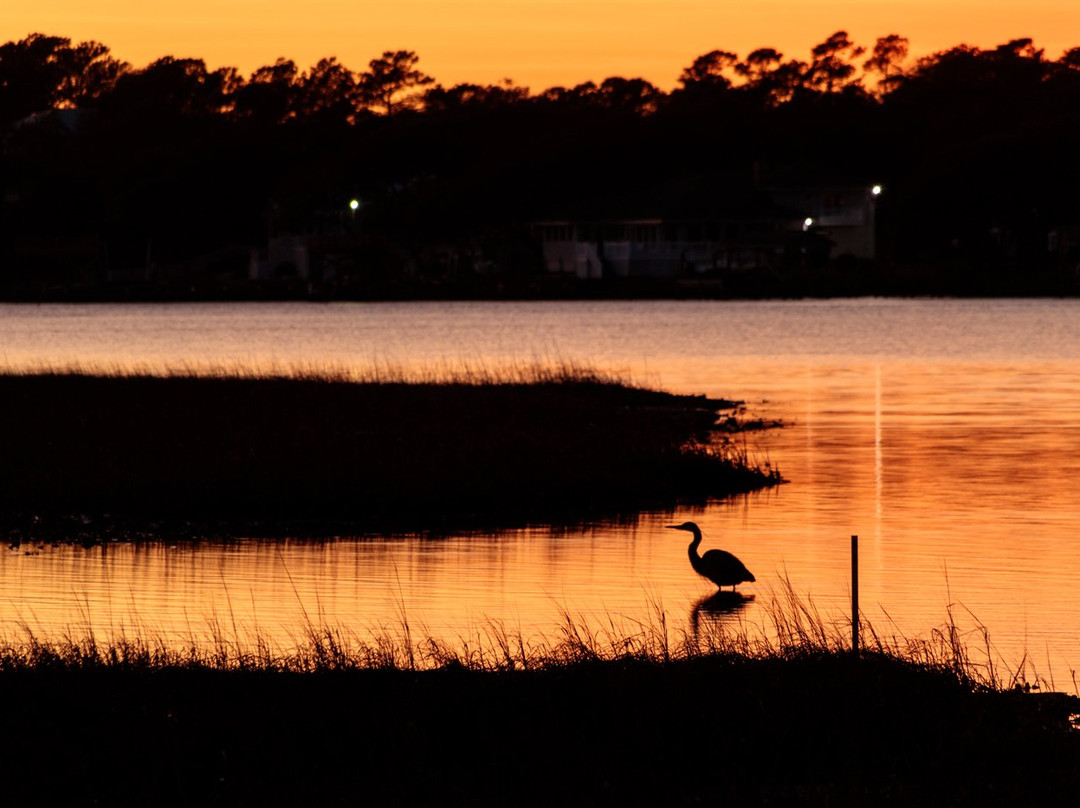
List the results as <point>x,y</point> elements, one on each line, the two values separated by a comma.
<point>323,454</point>
<point>439,372</point>
<point>787,627</point>
<point>603,711</point>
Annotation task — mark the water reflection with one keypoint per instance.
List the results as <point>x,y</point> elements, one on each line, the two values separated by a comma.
<point>944,433</point>
<point>716,608</point>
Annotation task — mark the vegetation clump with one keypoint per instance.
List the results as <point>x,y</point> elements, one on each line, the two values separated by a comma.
<point>323,455</point>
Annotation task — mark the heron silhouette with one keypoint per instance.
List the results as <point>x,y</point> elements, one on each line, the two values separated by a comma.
<point>719,566</point>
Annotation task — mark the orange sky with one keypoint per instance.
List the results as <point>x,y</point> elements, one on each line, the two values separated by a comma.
<point>538,43</point>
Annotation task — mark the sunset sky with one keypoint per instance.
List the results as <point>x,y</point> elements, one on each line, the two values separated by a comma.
<point>537,43</point>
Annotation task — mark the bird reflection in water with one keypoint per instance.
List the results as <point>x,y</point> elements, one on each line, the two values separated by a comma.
<point>717,607</point>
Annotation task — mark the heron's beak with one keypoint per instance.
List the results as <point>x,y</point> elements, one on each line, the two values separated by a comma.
<point>673,527</point>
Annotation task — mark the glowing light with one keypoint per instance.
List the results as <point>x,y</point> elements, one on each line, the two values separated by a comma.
<point>876,190</point>
<point>807,223</point>
<point>354,205</point>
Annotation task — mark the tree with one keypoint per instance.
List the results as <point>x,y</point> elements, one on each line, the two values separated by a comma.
<point>759,65</point>
<point>171,87</point>
<point>787,79</point>
<point>41,72</point>
<point>759,72</point>
<point>1004,80</point>
<point>1023,48</point>
<point>709,70</point>
<point>473,96</point>
<point>886,60</point>
<point>271,94</point>
<point>327,90</point>
<point>831,69</point>
<point>578,95</point>
<point>389,81</point>
<point>89,72</point>
<point>30,75</point>
<point>636,95</point>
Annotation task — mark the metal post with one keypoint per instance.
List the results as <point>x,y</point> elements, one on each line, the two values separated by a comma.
<point>855,594</point>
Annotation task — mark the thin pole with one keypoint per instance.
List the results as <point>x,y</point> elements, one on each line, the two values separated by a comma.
<point>855,594</point>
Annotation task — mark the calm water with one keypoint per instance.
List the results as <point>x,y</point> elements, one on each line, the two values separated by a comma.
<point>944,433</point>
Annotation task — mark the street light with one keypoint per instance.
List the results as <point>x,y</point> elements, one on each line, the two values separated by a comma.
<point>871,215</point>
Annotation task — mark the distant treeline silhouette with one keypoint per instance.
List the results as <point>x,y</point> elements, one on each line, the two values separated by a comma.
<point>173,173</point>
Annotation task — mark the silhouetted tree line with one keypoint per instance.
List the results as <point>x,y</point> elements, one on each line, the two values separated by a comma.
<point>169,175</point>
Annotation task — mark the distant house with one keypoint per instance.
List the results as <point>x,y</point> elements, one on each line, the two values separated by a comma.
<point>843,214</point>
<point>661,248</point>
<point>287,255</point>
<point>66,120</point>
<point>683,247</point>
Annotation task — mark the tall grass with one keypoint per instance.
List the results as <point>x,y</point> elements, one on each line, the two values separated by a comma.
<point>376,372</point>
<point>600,712</point>
<point>788,628</point>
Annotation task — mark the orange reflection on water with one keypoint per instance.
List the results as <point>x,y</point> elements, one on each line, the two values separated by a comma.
<point>453,588</point>
<point>955,466</point>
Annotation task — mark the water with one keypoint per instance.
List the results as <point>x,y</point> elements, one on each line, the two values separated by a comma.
<point>944,433</point>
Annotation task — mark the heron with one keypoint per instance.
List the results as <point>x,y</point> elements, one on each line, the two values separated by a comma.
<point>719,566</point>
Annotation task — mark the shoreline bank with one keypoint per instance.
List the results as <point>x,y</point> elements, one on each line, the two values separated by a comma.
<point>808,725</point>
<point>90,457</point>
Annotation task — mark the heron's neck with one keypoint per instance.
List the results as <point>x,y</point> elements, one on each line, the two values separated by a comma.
<point>692,550</point>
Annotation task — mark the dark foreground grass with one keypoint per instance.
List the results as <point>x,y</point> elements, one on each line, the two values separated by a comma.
<point>594,718</point>
<point>817,730</point>
<point>325,455</point>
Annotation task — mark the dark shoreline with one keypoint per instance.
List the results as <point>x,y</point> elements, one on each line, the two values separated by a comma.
<point>590,716</point>
<point>819,729</point>
<point>91,458</point>
<point>839,281</point>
